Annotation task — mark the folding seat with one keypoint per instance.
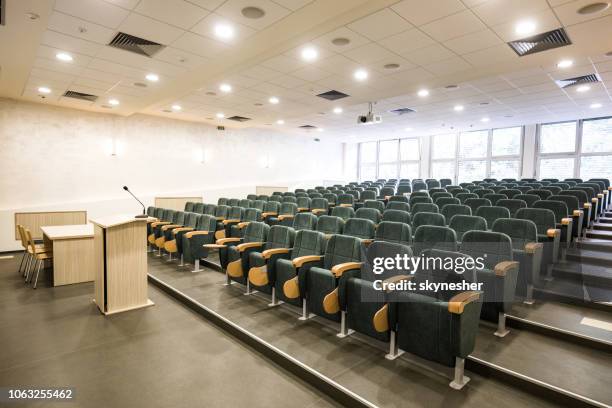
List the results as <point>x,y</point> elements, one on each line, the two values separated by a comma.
<point>289,199</point>
<point>252,197</point>
<point>245,203</point>
<point>433,237</point>
<point>510,192</point>
<point>445,182</point>
<point>435,196</point>
<point>419,194</point>
<point>529,180</point>
<point>574,211</point>
<point>400,198</point>
<point>319,284</point>
<point>343,212</point>
<point>432,183</point>
<point>418,186</point>
<point>250,215</point>
<point>346,200</point>
<point>164,216</point>
<point>523,189</point>
<point>355,195</point>
<point>534,186</point>
<point>234,217</point>
<point>464,223</point>
<point>319,188</point>
<point>396,205</point>
<point>464,196</point>
<point>210,209</point>
<point>494,198</point>
<point>513,205</point>
<point>368,195</point>
<point>592,191</point>
<point>263,197</point>
<point>304,221</point>
<point>319,206</point>
<point>475,203</point>
<point>286,213</point>
<point>371,214</point>
<point>491,214</point>
<point>396,216</point>
<point>457,191</point>
<point>544,183</point>
<point>277,193</point>
<point>232,202</point>
<point>330,225</point>
<point>426,218</point>
<point>288,194</point>
<point>173,236</point>
<point>258,205</point>
<point>271,209</point>
<point>464,185</point>
<point>575,180</point>
<point>188,206</point>
<point>606,187</point>
<point>391,231</point>
<point>528,198</point>
<point>563,221</point>
<point>303,204</point>
<point>435,190</point>
<point>332,199</point>
<point>450,210</point>
<point>442,201</point>
<point>378,205</point>
<point>416,200</point>
<point>509,180</point>
<point>424,207</point>
<point>552,180</point>
<point>234,252</point>
<point>404,189</point>
<point>361,228</point>
<point>276,198</point>
<point>498,276</point>
<point>482,191</point>
<point>222,201</point>
<point>151,210</point>
<point>175,220</point>
<point>548,234</point>
<point>300,194</point>
<point>542,193</point>
<point>315,195</point>
<point>601,192</point>
<point>386,192</point>
<point>221,213</point>
<point>584,203</point>
<point>193,241</point>
<point>526,250</point>
<point>489,180</point>
<point>311,190</point>
<point>198,208</point>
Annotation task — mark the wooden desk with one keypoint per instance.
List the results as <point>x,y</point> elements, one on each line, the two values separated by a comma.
<point>72,247</point>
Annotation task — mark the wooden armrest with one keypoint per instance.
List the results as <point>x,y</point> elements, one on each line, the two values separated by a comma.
<point>380,320</point>
<point>214,246</point>
<point>319,210</point>
<point>246,245</point>
<point>303,209</point>
<point>243,224</point>
<point>155,224</point>
<point>267,214</point>
<point>151,220</point>
<point>577,213</point>
<point>457,303</point>
<point>532,247</point>
<point>600,195</point>
<point>301,260</point>
<point>367,241</point>
<point>504,266</point>
<point>219,218</point>
<point>587,205</point>
<point>339,269</point>
<point>225,222</point>
<point>566,221</point>
<point>594,200</point>
<point>397,278</point>
<point>346,205</point>
<point>285,217</point>
<point>552,232</point>
<point>610,188</point>
<point>192,233</point>
<point>224,241</point>
<point>177,230</point>
<point>167,227</point>
<point>269,252</point>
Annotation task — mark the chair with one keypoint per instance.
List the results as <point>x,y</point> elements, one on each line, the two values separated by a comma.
<point>445,182</point>
<point>360,228</point>
<point>436,196</point>
<point>464,196</point>
<point>433,237</point>
<point>464,223</point>
<point>548,234</point>
<point>427,218</point>
<point>417,200</point>
<point>369,214</point>
<point>492,214</point>
<point>475,203</point>
<point>330,225</point>
<point>450,210</point>
<point>513,205</point>
<point>343,212</point>
<point>510,192</point>
<point>400,198</point>
<point>210,209</point>
<point>574,212</point>
<point>377,205</point>
<point>189,206</point>
<point>192,242</point>
<point>396,205</point>
<point>304,221</point>
<point>562,221</point>
<point>222,201</point>
<point>28,252</point>
<point>174,236</point>
<point>319,206</point>
<point>494,198</point>
<point>346,200</point>
<point>418,186</point>
<point>482,191</point>
<point>424,207</point>
<point>396,216</point>
<point>232,202</point>
<point>542,193</point>
<point>391,231</point>
<point>442,201</point>
<point>38,256</point>
<point>331,198</point>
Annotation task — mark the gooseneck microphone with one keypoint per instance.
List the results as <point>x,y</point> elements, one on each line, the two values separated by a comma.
<point>144,211</point>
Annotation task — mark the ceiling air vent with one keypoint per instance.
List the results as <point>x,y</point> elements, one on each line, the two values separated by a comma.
<point>540,42</point>
<point>584,79</point>
<point>402,111</point>
<point>135,44</point>
<point>332,95</point>
<point>238,118</point>
<point>308,127</point>
<point>81,96</point>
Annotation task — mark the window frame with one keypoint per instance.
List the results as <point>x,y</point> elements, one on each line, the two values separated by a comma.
<point>398,159</point>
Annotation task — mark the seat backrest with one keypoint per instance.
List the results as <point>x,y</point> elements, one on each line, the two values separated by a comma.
<point>603,180</point>
<point>419,185</point>
<point>354,193</point>
<point>368,195</point>
<point>371,214</point>
<point>319,204</point>
<point>476,203</point>
<point>520,231</point>
<point>595,186</point>
<point>151,211</point>
<point>397,205</point>
<point>450,210</point>
<point>245,203</point>
<point>464,223</point>
<point>258,204</point>
<point>210,209</point>
<point>256,232</point>
<point>510,192</point>
<point>288,194</point>
<point>252,214</point>
<point>396,216</point>
<point>512,204</point>
<point>390,231</point>
<point>231,202</point>
<point>304,221</point>
<point>343,212</point>
<point>236,213</point>
<point>580,195</point>
<point>570,201</point>
<point>528,198</point>
<point>341,249</point>
<point>288,209</point>
<point>303,203</point>
<point>427,218</point>
<point>417,200</point>
<point>464,196</point>
<point>559,208</point>
<point>263,197</point>
<point>404,188</point>
<point>276,198</point>
<point>289,199</point>
<point>434,236</point>
<point>383,250</point>
<point>523,189</point>
<point>553,189</point>
<point>222,211</point>
<point>495,197</point>
<point>482,191</point>
<point>280,236</point>
<point>331,198</point>
<point>543,194</point>
<point>206,222</point>
<point>562,186</point>
<point>377,205</point>
<point>252,197</point>
<point>386,192</point>
<point>222,201</point>
<point>491,247</point>
<point>188,206</point>
<point>490,214</point>
<point>445,182</point>
<point>442,194</point>
<point>346,199</point>
<point>308,242</point>
<point>442,201</point>
<point>168,215</point>
<point>432,183</point>
<point>424,207</point>
<point>160,212</point>
<point>400,198</point>
<point>419,194</point>
<point>315,195</point>
<point>544,219</point>
<point>272,207</point>
<point>329,224</point>
<point>360,228</point>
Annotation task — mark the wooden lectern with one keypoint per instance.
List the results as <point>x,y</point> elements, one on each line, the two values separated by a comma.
<point>120,257</point>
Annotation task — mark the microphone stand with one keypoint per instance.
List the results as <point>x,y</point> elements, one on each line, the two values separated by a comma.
<point>144,211</point>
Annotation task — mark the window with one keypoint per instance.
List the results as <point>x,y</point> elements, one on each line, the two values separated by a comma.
<point>367,160</point>
<point>596,148</point>
<point>560,168</point>
<point>444,147</point>
<point>501,169</point>
<point>410,158</point>
<point>506,142</point>
<point>473,144</point>
<point>443,169</point>
<point>470,170</point>
<point>558,138</point>
<point>389,159</point>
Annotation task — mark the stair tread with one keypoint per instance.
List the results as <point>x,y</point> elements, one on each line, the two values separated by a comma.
<point>590,253</point>
<point>584,269</point>
<point>572,290</point>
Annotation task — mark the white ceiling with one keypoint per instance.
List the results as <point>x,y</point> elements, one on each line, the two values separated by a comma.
<point>436,43</point>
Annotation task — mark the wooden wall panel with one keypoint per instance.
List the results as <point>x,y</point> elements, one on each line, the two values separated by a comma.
<point>268,190</point>
<point>34,220</point>
<point>175,203</point>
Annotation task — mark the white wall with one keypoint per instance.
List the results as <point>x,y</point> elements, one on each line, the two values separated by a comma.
<point>60,159</point>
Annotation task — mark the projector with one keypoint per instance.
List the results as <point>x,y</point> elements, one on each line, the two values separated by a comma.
<point>369,119</point>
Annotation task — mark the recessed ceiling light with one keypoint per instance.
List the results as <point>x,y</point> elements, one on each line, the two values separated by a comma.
<point>361,75</point>
<point>458,108</point>
<point>338,110</point>
<point>525,27</point>
<point>152,77</point>
<point>63,56</point>
<point>391,66</point>
<point>409,129</point>
<point>113,102</point>
<point>253,12</point>
<point>594,8</point>
<point>309,54</point>
<point>485,120</point>
<point>280,122</point>
<point>225,88</point>
<point>224,31</point>
<point>583,88</point>
<point>596,105</point>
<point>423,93</point>
<point>274,100</point>
<point>176,107</point>
<point>44,90</point>
<point>220,115</point>
<point>319,129</point>
<point>340,41</point>
<point>566,63</point>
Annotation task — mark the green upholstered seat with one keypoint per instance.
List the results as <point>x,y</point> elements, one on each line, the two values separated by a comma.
<point>392,231</point>
<point>371,214</point>
<point>475,203</point>
<point>234,217</point>
<point>424,207</point>
<point>360,228</point>
<point>427,218</point>
<point>510,192</point>
<point>464,196</point>
<point>396,205</point>
<point>210,209</point>
<point>231,202</point>
<point>416,200</point>
<point>343,212</point>
<point>289,199</point>
<point>285,215</point>
<point>193,241</point>
<point>331,198</point>
<point>548,234</point>
<point>464,223</point>
<point>378,205</point>
<point>482,191</point>
<point>319,206</point>
<point>433,237</point>
<point>271,209</point>
<point>346,200</point>
<point>234,256</point>
<point>222,201</point>
<point>493,213</point>
<point>562,219</point>
<point>250,215</point>
<point>419,185</point>
<point>303,203</point>
<point>330,225</point>
<point>442,201</point>
<point>512,204</point>
<point>396,216</point>
<point>252,197</point>
<point>245,203</point>
<point>541,193</point>
<point>445,182</point>
<point>304,221</point>
<point>404,189</point>
<point>436,196</point>
<point>450,210</point>
<point>189,206</point>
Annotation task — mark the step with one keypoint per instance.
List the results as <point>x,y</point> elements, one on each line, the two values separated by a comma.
<point>605,220</point>
<point>590,256</point>
<point>601,226</point>
<point>572,291</point>
<point>599,234</point>
<point>593,275</point>
<point>594,244</point>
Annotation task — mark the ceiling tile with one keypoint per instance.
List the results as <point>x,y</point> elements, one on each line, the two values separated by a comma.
<point>50,53</point>
<point>582,34</point>
<point>232,9</point>
<point>404,64</point>
<point>453,26</point>
<point>283,63</point>
<point>311,74</point>
<point>150,29</point>
<point>407,41</point>
<point>199,45</point>
<point>70,44</point>
<point>419,12</point>
<point>97,11</point>
<point>179,13</point>
<point>57,66</point>
<point>99,75</point>
<point>117,69</point>
<point>210,5</point>
<point>260,73</point>
<point>140,62</point>
<point>428,55</point>
<point>76,27</point>
<point>355,40</point>
<point>92,83</point>
<point>369,53</point>
<point>384,23</point>
<point>508,11</point>
<point>287,81</point>
<point>473,42</point>
<point>568,14</point>
<point>449,66</point>
<point>181,58</point>
<point>489,56</point>
<point>293,4</point>
<point>206,27</point>
<point>126,4</point>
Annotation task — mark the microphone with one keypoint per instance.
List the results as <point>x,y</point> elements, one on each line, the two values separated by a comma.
<point>144,211</point>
